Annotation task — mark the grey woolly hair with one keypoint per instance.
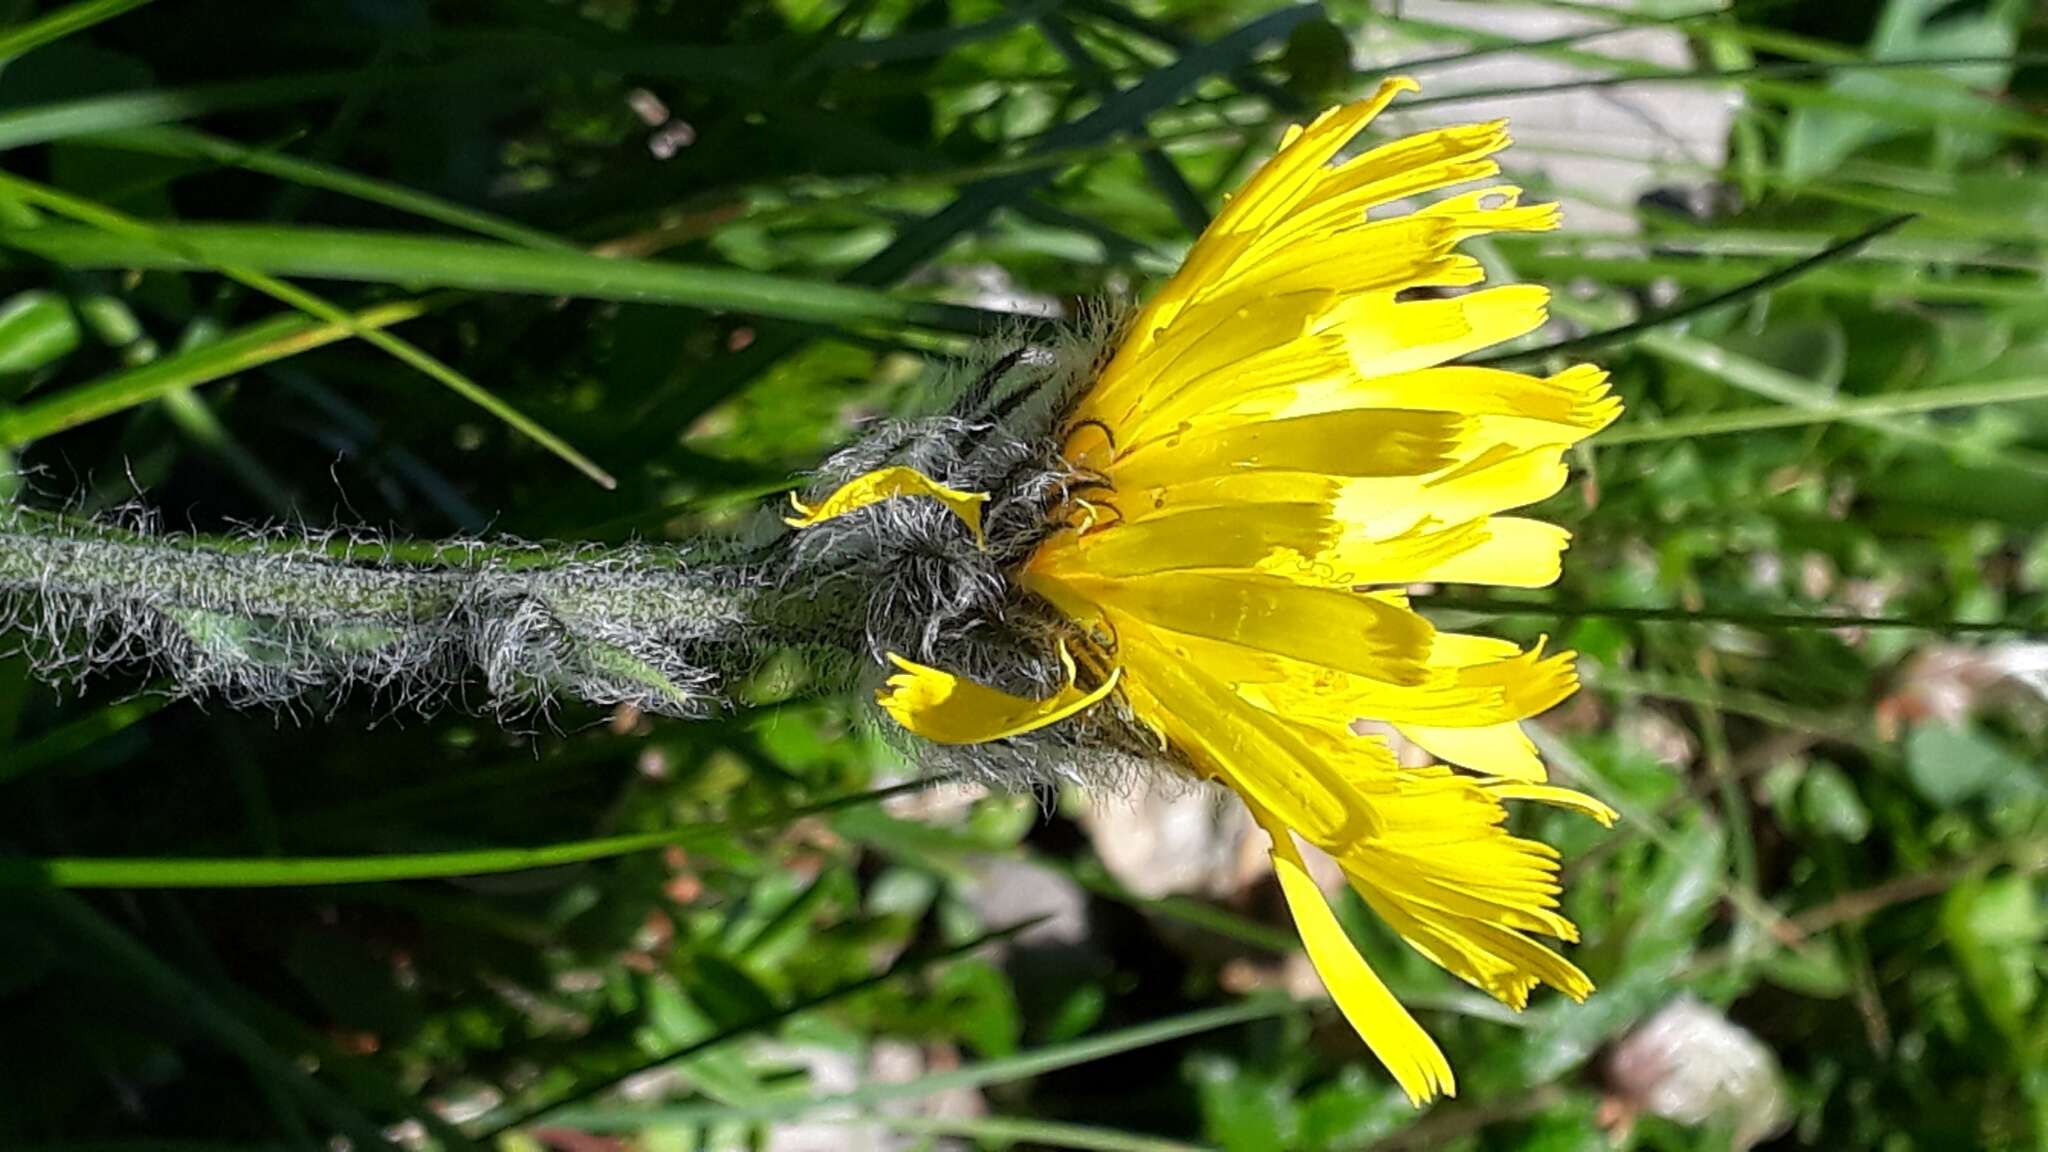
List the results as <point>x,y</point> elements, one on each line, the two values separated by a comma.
<point>301,620</point>
<point>276,618</point>
<point>915,581</point>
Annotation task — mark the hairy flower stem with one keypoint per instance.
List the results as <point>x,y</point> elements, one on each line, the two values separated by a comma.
<point>272,619</point>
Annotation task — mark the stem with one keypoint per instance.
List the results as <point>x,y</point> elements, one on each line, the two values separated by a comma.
<point>270,619</point>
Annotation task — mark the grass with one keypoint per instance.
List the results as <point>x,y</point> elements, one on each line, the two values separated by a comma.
<point>398,269</point>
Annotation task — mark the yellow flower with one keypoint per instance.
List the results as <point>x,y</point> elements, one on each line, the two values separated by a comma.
<point>1280,446</point>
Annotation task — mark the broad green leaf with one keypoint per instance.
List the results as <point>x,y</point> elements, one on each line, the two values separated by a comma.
<point>1950,766</point>
<point>37,329</point>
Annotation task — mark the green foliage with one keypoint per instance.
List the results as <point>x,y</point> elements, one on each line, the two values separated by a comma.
<point>411,265</point>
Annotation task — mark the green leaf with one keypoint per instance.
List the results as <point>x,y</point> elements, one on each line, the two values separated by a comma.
<point>1832,805</point>
<point>980,1007</point>
<point>1819,138</point>
<point>1996,928</point>
<point>37,329</point>
<point>1245,1108</point>
<point>1817,971</point>
<point>1950,766</point>
<point>725,991</point>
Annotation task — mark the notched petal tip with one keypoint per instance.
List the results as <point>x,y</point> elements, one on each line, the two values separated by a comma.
<point>1395,85</point>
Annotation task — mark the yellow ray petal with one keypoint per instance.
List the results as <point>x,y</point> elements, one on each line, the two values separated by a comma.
<point>1274,190</point>
<point>1496,208</point>
<point>1417,1064</point>
<point>1355,558</point>
<point>1565,798</point>
<point>1255,615</point>
<point>1490,749</point>
<point>1498,691</point>
<point>1366,764</point>
<point>1446,875</point>
<point>1406,167</point>
<point>1144,502</point>
<point>1364,442</point>
<point>1499,551</point>
<point>1316,375</point>
<point>888,484</point>
<point>1257,387</point>
<point>946,709</point>
<point>1298,169</point>
<point>1211,340</point>
<point>1234,537</point>
<point>1389,336</point>
<point>1380,256</point>
<point>1498,960</point>
<point>1232,742</point>
<point>1576,399</point>
<point>1495,480</point>
<point>1517,553</point>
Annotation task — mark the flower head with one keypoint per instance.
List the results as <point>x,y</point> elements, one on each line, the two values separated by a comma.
<point>1223,516</point>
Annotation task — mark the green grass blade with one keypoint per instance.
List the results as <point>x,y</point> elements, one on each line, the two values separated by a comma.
<point>924,44</point>
<point>263,342</point>
<point>170,140</point>
<point>59,120</point>
<point>1985,116</point>
<point>1752,618</point>
<point>1006,1130</point>
<point>1849,281</point>
<point>442,262</point>
<point>1159,167</point>
<point>1759,79</point>
<point>157,1146</point>
<point>1828,411</point>
<point>309,871</point>
<point>53,26</point>
<point>1166,35</point>
<point>1115,117</point>
<point>1840,250</point>
<point>67,741</point>
<point>1931,246</point>
<point>111,223</point>
<point>998,1071</point>
<point>1760,379</point>
<point>1118,115</point>
<point>1857,733</point>
<point>476,59</point>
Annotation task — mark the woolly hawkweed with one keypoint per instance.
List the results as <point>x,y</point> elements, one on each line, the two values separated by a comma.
<point>304,620</point>
<point>1180,542</point>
